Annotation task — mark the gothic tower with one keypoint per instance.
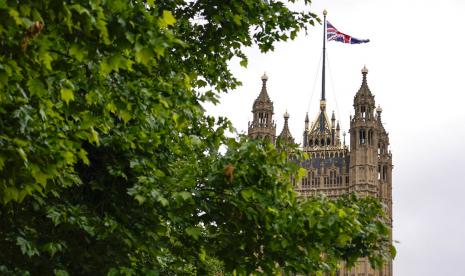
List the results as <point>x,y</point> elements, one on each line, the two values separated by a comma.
<point>333,169</point>
<point>370,160</point>
<point>363,143</point>
<point>286,135</point>
<point>262,125</point>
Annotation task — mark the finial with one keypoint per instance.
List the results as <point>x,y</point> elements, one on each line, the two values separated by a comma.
<point>264,77</point>
<point>333,117</point>
<point>325,12</point>
<point>379,109</point>
<point>364,70</point>
<point>286,115</point>
<point>322,105</point>
<point>306,117</point>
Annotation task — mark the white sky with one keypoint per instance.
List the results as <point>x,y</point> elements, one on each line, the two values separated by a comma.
<point>416,61</point>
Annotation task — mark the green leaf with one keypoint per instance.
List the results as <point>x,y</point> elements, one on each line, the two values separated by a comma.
<point>77,52</point>
<point>3,79</point>
<point>185,195</point>
<point>141,199</point>
<point>67,95</point>
<point>125,115</point>
<point>2,162</point>
<point>60,272</point>
<point>46,59</point>
<point>36,87</point>
<point>144,55</point>
<point>247,194</point>
<point>193,232</point>
<point>94,137</point>
<point>167,19</point>
<point>237,19</point>
<point>26,247</point>
<point>83,156</point>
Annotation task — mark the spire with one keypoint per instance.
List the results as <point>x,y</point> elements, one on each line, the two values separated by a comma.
<point>286,133</point>
<point>306,122</point>
<point>263,96</point>
<point>305,138</point>
<point>333,120</point>
<point>364,89</point>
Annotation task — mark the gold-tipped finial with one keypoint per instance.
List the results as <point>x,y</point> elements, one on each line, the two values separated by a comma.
<point>364,70</point>
<point>325,12</point>
<point>264,77</point>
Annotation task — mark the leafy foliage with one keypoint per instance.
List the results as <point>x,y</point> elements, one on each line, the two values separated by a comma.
<point>109,165</point>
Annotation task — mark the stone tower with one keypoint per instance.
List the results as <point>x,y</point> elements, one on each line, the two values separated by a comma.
<point>286,135</point>
<point>370,161</point>
<point>363,143</point>
<point>262,125</point>
<point>333,168</point>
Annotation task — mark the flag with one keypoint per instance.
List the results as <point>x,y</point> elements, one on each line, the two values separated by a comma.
<point>333,34</point>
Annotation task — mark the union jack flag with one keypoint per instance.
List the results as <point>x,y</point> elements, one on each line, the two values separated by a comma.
<point>333,34</point>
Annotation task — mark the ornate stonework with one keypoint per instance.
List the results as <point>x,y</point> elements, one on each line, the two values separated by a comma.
<point>334,169</point>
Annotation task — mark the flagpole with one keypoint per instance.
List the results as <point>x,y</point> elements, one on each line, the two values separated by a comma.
<point>323,96</point>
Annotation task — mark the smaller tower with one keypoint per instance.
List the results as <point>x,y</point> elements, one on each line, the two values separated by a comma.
<point>305,138</point>
<point>262,125</point>
<point>285,135</point>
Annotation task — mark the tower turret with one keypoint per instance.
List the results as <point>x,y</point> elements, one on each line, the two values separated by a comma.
<point>286,135</point>
<point>305,138</point>
<point>363,142</point>
<point>262,125</point>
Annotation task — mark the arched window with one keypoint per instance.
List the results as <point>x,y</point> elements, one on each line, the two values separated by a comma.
<point>322,142</point>
<point>363,111</point>
<point>370,137</point>
<point>316,142</point>
<point>328,141</point>
<point>382,149</point>
<point>362,137</point>
<point>261,119</point>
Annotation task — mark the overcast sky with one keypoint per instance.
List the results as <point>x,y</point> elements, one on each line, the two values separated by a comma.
<point>416,61</point>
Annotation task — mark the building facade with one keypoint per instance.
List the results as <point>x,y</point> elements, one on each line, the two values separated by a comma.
<point>334,168</point>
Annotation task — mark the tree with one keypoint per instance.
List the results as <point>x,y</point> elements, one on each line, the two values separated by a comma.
<point>109,164</point>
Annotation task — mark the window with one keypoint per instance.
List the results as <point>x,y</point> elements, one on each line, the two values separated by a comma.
<point>363,111</point>
<point>260,119</point>
<point>370,137</point>
<point>362,137</point>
